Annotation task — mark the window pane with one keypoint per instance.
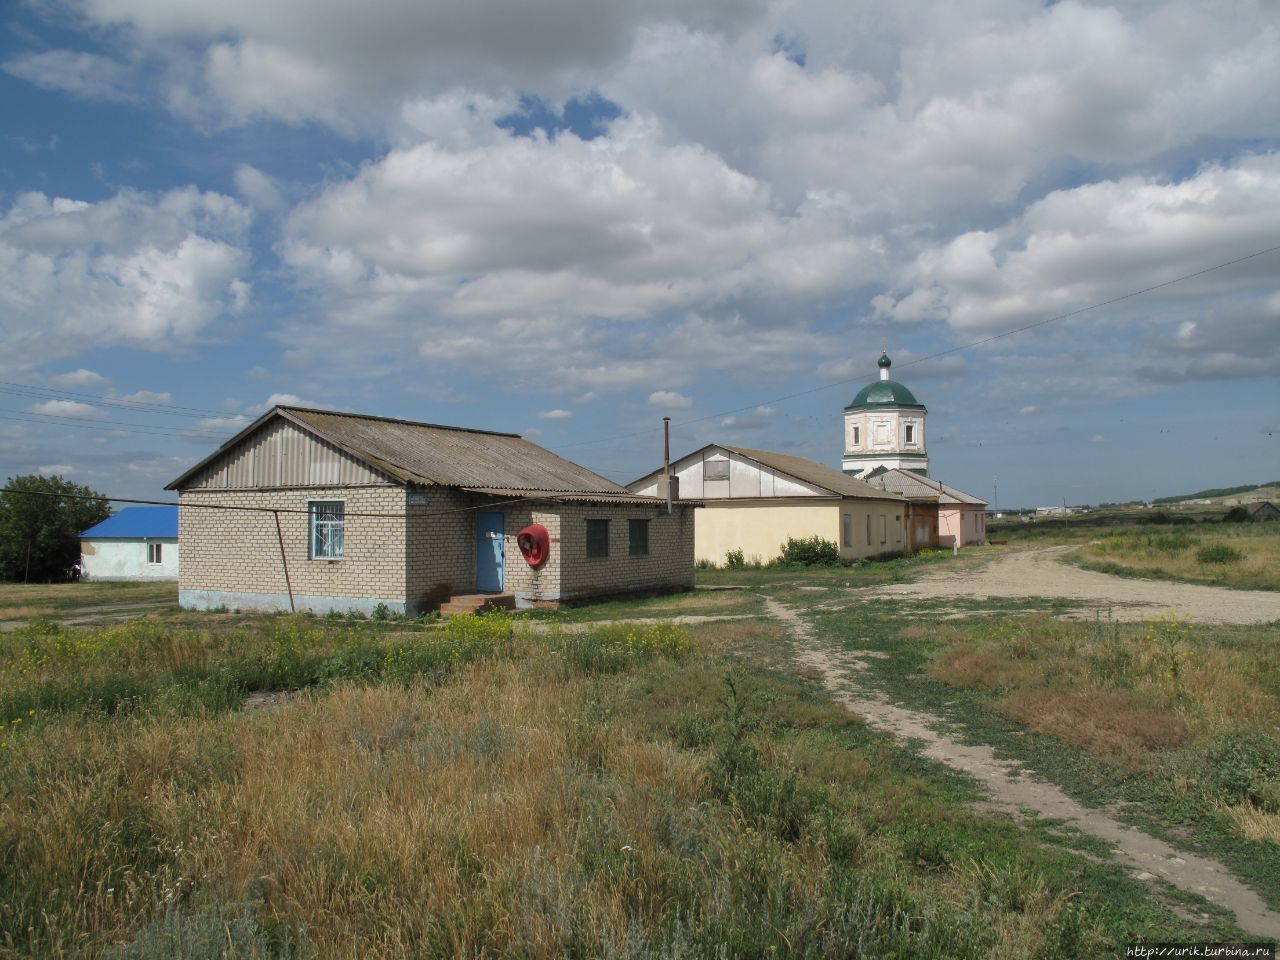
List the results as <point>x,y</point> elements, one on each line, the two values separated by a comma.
<point>327,529</point>
<point>716,470</point>
<point>639,534</point>
<point>597,538</point>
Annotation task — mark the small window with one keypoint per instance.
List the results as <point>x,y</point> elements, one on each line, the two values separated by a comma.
<point>884,528</point>
<point>715,470</point>
<point>154,551</point>
<point>638,533</point>
<point>846,530</point>
<point>597,538</point>
<point>868,529</point>
<point>857,436</point>
<point>911,433</point>
<point>327,534</point>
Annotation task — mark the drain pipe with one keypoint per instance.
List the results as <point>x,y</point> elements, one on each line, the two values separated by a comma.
<point>666,459</point>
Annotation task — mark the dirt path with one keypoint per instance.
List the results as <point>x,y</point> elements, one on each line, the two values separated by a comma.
<point>93,615</point>
<point>1041,573</point>
<point>1014,790</point>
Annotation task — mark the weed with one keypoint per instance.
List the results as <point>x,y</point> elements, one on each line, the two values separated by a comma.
<point>1219,553</point>
<point>810,552</point>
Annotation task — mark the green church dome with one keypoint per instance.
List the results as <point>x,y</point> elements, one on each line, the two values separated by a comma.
<point>884,393</point>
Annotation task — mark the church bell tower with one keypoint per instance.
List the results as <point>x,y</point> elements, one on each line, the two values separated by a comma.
<point>884,427</point>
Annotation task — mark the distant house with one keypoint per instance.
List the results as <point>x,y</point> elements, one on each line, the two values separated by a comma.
<point>138,543</point>
<point>1263,510</point>
<point>960,519</point>
<point>754,500</point>
<point>325,511</point>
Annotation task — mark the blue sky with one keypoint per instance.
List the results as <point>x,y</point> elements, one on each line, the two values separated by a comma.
<point>572,218</point>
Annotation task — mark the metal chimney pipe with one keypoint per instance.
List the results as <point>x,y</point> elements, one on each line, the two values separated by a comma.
<point>666,458</point>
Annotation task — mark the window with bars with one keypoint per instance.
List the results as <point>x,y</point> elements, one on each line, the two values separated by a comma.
<point>327,529</point>
<point>597,538</point>
<point>638,533</point>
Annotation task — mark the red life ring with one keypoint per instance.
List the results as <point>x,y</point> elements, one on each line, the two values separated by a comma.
<point>535,543</point>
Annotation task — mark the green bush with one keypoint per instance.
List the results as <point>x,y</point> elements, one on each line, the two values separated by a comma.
<point>1219,553</point>
<point>811,552</point>
<point>734,560</point>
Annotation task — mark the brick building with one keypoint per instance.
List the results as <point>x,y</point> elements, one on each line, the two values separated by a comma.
<point>319,510</point>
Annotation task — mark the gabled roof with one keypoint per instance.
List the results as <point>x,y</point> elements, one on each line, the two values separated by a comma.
<point>137,523</point>
<point>915,487</point>
<point>429,454</point>
<point>801,468</point>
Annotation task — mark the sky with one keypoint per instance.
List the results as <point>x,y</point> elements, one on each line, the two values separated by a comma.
<point>572,218</point>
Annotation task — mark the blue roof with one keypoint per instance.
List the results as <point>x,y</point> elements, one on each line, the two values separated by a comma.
<point>155,523</point>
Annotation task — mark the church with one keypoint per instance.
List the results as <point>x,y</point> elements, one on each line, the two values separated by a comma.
<point>884,444</point>
<point>881,503</point>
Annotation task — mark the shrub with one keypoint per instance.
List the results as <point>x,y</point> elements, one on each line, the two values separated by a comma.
<point>1219,553</point>
<point>734,560</point>
<point>811,552</point>
<point>1237,515</point>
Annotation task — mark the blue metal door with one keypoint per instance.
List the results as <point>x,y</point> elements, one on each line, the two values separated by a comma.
<point>489,551</point>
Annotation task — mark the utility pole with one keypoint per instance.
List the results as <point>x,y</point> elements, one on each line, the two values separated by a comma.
<point>995,494</point>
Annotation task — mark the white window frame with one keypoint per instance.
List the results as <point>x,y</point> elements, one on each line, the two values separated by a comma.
<point>333,547</point>
<point>155,553</point>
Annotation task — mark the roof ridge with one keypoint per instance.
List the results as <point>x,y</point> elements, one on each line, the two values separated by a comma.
<point>410,423</point>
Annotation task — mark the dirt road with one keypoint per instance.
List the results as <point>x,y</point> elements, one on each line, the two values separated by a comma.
<point>1041,573</point>
<point>1016,791</point>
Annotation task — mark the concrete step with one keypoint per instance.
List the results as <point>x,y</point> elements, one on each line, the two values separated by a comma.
<point>470,603</point>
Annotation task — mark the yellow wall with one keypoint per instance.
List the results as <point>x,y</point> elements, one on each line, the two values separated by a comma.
<point>759,527</point>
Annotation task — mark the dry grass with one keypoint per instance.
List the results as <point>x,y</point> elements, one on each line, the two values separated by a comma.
<point>1252,822</point>
<point>1179,554</point>
<point>1124,692</point>
<point>1115,726</point>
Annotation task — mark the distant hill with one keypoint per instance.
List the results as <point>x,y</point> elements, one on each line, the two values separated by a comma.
<point>1219,492</point>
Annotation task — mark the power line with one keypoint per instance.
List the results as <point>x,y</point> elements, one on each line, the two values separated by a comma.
<point>938,354</point>
<point>53,419</point>
<point>142,406</point>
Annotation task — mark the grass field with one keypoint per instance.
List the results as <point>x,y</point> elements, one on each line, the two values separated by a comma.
<point>21,601</point>
<point>497,787</point>
<point>1243,556</point>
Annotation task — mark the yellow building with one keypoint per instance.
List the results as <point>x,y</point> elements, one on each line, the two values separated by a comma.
<point>755,500</point>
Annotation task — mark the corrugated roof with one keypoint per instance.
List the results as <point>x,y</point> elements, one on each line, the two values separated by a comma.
<point>428,454</point>
<point>571,497</point>
<point>915,487</point>
<point>810,471</point>
<point>137,523</point>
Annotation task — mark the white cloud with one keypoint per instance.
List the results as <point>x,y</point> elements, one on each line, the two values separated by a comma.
<point>258,188</point>
<point>1088,244</point>
<point>86,75</point>
<point>79,378</point>
<point>670,400</point>
<point>1028,410</point>
<point>284,60</point>
<point>556,414</point>
<point>1097,438</point>
<point>147,396</point>
<point>211,427</point>
<point>136,269</point>
<point>159,468</point>
<point>52,469</point>
<point>66,408</point>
